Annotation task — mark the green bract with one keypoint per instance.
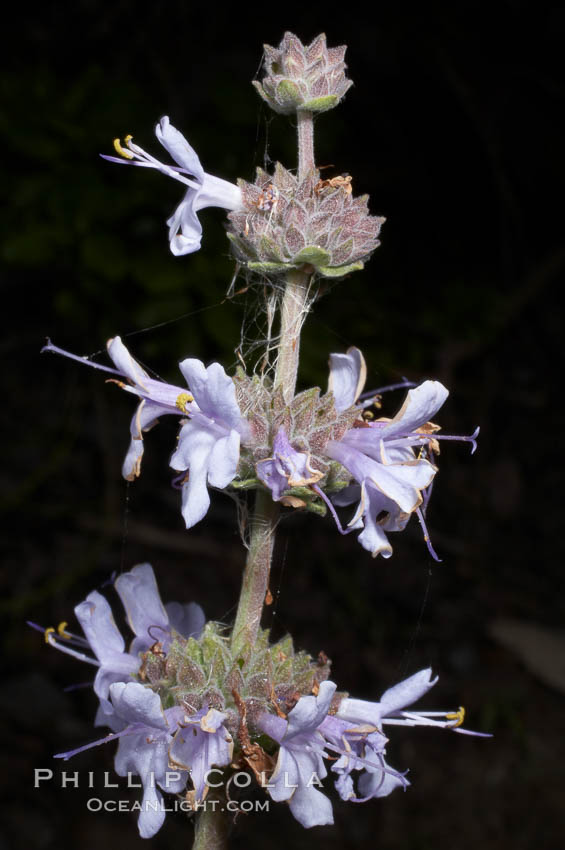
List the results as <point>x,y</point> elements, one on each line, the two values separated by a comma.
<point>205,672</point>
<point>308,77</point>
<point>286,224</point>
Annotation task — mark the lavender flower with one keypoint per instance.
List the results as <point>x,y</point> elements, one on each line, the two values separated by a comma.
<point>201,742</point>
<point>360,747</point>
<point>322,442</point>
<point>149,620</point>
<point>204,190</point>
<point>145,732</point>
<point>102,638</point>
<point>287,468</point>
<point>132,710</point>
<point>380,454</point>
<point>300,763</point>
<point>208,446</point>
<point>377,779</point>
<point>146,736</point>
<point>355,733</point>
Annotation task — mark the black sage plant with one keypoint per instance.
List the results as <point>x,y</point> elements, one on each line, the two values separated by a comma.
<point>195,704</point>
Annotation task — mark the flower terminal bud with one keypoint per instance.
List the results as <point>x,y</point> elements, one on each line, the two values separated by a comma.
<point>299,76</point>
<point>287,223</point>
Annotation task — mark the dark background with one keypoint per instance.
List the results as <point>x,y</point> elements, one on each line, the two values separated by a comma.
<point>450,128</point>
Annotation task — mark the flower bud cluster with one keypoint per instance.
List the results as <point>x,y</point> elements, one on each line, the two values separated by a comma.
<point>310,77</point>
<point>309,421</point>
<point>286,223</point>
<point>198,673</point>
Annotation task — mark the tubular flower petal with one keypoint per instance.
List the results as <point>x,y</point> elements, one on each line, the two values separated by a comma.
<point>300,763</point>
<point>143,749</point>
<point>201,742</point>
<point>107,644</point>
<point>380,455</point>
<point>208,446</point>
<point>203,190</point>
<point>145,733</point>
<point>348,373</point>
<point>209,441</point>
<point>148,618</point>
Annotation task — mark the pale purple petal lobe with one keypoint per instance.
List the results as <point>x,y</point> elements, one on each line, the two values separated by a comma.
<point>348,374</point>
<point>140,597</point>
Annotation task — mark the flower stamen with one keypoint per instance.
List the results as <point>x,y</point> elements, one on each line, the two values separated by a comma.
<point>61,630</point>
<point>427,540</point>
<point>122,151</point>
<point>458,716</point>
<point>52,641</point>
<point>182,400</point>
<point>332,510</point>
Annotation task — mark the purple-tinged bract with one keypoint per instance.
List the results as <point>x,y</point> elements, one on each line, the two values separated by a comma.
<point>299,76</point>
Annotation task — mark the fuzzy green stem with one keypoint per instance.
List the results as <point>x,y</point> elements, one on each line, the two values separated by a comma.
<point>262,534</point>
<point>257,570</point>
<point>212,825</point>
<point>294,308</point>
<point>306,162</point>
<point>295,300</point>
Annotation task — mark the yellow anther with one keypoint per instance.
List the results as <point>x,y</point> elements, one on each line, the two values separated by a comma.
<point>458,716</point>
<point>128,138</point>
<point>182,400</point>
<point>61,630</point>
<point>47,632</point>
<point>122,151</point>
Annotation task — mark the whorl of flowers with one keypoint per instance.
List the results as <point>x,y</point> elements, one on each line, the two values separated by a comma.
<point>239,432</point>
<point>181,698</point>
<point>309,422</point>
<point>285,223</point>
<point>302,76</point>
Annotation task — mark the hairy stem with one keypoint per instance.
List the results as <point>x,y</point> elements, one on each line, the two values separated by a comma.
<point>295,300</point>
<point>262,535</point>
<point>257,570</point>
<point>306,161</point>
<point>212,824</point>
<point>293,312</point>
